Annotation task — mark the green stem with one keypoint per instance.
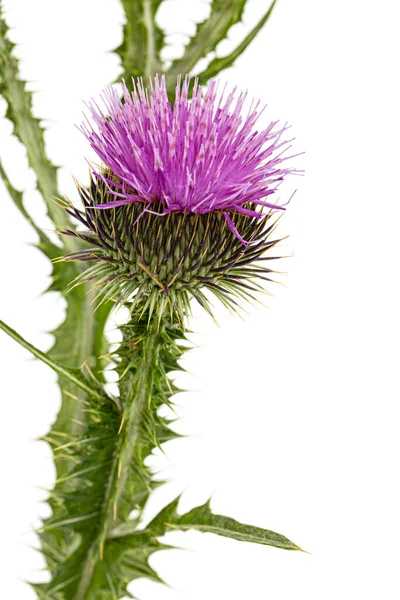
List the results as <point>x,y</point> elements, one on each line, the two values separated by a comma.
<point>142,42</point>
<point>138,399</point>
<point>151,63</point>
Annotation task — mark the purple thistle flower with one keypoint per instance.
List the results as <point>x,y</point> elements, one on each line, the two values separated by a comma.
<point>198,157</point>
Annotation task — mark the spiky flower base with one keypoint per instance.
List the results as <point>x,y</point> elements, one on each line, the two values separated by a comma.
<point>157,261</point>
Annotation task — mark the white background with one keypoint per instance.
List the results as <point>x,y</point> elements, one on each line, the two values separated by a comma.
<point>294,415</point>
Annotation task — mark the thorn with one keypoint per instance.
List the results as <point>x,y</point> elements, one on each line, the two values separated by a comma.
<point>101,550</point>
<point>47,439</point>
<point>125,372</point>
<point>67,457</point>
<point>145,269</point>
<point>61,434</point>
<point>121,424</point>
<point>74,397</point>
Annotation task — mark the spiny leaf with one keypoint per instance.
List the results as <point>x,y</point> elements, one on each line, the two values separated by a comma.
<point>203,519</point>
<point>27,127</point>
<point>224,14</point>
<point>219,64</point>
<point>81,336</point>
<point>45,244</point>
<point>142,40</point>
<point>75,376</point>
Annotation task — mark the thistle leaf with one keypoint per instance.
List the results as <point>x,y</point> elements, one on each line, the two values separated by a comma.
<point>224,14</point>
<point>203,519</point>
<point>81,337</point>
<point>219,64</point>
<point>142,40</point>
<point>75,376</point>
<point>44,242</point>
<point>27,128</point>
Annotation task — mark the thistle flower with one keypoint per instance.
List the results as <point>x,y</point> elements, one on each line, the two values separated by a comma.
<point>179,201</point>
<point>199,157</point>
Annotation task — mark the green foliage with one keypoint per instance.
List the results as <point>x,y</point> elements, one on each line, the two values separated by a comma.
<point>109,478</point>
<point>203,519</point>
<point>219,64</point>
<point>142,40</point>
<point>80,338</point>
<point>75,376</point>
<point>209,33</point>
<point>44,243</point>
<point>82,328</point>
<point>26,127</point>
<point>92,545</point>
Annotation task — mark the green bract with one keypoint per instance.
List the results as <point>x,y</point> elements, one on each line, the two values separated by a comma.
<point>159,263</point>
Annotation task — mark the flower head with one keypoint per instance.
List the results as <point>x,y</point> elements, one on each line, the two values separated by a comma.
<point>200,155</point>
<point>176,208</point>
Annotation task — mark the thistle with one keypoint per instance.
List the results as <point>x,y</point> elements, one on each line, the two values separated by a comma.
<point>161,227</point>
<point>182,208</point>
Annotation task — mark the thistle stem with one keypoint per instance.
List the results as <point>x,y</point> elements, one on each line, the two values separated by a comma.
<point>138,399</point>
